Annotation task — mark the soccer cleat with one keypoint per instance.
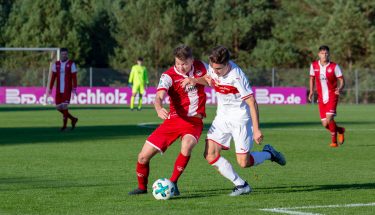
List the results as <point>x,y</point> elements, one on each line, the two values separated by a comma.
<point>176,191</point>
<point>241,190</point>
<point>334,145</point>
<point>341,137</point>
<point>276,156</point>
<point>63,128</point>
<point>74,122</point>
<point>137,191</point>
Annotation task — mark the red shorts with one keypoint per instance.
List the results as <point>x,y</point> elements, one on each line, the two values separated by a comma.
<point>173,128</point>
<point>328,108</point>
<point>62,98</point>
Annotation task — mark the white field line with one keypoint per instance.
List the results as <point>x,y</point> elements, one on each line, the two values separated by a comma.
<point>156,124</point>
<point>292,210</point>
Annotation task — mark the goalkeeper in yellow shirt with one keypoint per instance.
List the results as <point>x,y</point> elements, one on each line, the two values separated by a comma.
<point>138,79</point>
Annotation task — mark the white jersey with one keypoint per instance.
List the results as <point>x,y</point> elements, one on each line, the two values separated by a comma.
<point>231,90</point>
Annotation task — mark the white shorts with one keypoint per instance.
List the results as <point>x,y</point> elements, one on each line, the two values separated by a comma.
<point>222,131</point>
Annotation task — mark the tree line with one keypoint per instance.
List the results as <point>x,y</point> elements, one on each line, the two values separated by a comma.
<point>259,33</point>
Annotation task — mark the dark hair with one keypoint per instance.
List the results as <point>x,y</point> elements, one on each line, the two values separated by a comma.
<point>324,47</point>
<point>63,50</point>
<point>219,55</point>
<point>140,59</point>
<point>183,52</point>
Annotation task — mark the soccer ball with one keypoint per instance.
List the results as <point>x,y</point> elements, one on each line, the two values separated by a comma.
<point>163,189</point>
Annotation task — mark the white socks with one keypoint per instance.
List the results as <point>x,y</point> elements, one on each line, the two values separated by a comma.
<point>260,157</point>
<point>226,169</point>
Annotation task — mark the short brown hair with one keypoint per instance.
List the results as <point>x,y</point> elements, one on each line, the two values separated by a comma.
<point>324,47</point>
<point>219,55</point>
<point>183,52</point>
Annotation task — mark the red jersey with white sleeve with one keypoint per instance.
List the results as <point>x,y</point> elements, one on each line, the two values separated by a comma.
<point>184,102</point>
<point>65,75</point>
<point>326,80</point>
<point>231,90</point>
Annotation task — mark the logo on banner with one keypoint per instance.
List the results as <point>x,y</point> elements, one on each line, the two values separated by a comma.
<point>263,96</point>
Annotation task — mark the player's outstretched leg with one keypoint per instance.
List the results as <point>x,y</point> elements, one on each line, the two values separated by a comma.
<point>276,156</point>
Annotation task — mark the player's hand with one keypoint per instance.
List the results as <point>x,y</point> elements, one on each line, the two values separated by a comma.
<point>258,137</point>
<point>162,113</point>
<point>338,91</point>
<point>310,96</point>
<point>209,80</point>
<point>188,81</point>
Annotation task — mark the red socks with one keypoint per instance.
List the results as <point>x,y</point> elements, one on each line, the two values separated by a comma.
<point>142,174</point>
<point>333,129</point>
<point>143,171</point>
<point>179,167</point>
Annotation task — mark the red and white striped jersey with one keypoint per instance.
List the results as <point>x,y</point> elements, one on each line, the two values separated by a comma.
<point>188,101</point>
<point>231,90</point>
<point>325,79</point>
<point>63,72</point>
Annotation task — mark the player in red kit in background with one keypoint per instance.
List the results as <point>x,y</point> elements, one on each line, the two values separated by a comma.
<point>184,119</point>
<point>329,82</point>
<point>64,72</point>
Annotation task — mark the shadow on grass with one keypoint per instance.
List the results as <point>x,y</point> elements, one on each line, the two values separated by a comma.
<point>27,135</point>
<point>327,187</point>
<point>36,183</point>
<point>316,124</point>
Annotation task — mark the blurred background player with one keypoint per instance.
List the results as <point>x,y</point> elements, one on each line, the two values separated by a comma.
<point>138,79</point>
<point>329,84</point>
<point>237,117</point>
<point>64,72</point>
<point>184,119</point>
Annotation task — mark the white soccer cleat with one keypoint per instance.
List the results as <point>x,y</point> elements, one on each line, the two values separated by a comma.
<point>241,190</point>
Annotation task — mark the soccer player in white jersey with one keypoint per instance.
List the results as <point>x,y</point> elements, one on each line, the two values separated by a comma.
<point>64,73</point>
<point>329,84</point>
<point>237,117</point>
<point>183,120</point>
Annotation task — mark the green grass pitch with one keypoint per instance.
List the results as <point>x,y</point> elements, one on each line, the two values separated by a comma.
<point>90,170</point>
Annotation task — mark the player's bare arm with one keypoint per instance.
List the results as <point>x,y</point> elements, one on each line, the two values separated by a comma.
<point>194,81</point>
<point>341,86</point>
<point>254,112</point>
<point>311,93</point>
<point>161,111</point>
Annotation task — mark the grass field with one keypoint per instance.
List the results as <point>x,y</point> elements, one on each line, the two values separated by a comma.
<point>91,169</point>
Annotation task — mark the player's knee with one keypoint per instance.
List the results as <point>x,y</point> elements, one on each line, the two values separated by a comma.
<point>243,164</point>
<point>210,157</point>
<point>143,159</point>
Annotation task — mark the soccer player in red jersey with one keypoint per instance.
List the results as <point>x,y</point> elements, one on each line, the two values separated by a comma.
<point>184,118</point>
<point>329,82</point>
<point>64,73</point>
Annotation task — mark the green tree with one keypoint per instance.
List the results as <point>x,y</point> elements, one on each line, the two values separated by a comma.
<point>238,25</point>
<point>146,28</point>
<point>51,24</point>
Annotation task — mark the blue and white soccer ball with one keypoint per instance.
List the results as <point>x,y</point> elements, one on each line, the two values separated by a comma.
<point>163,189</point>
